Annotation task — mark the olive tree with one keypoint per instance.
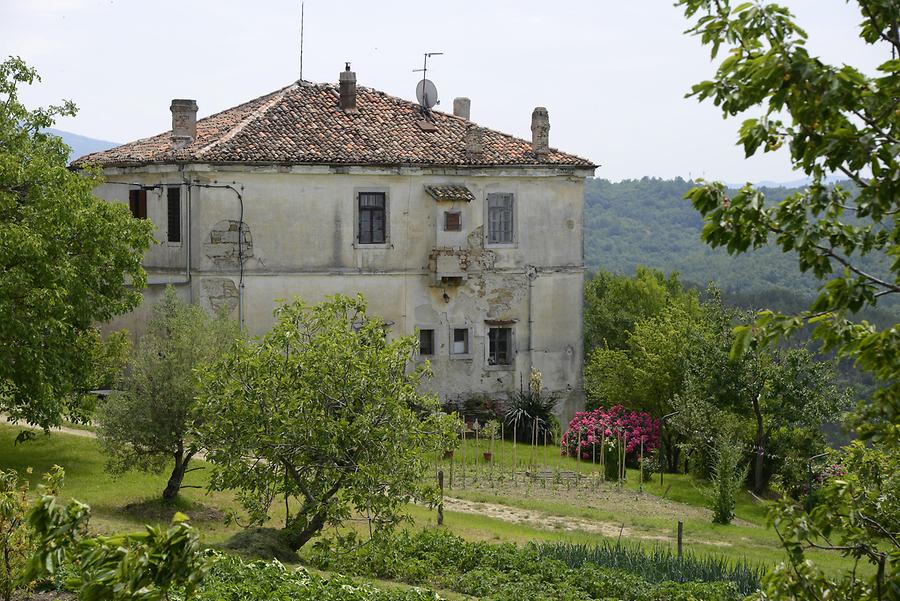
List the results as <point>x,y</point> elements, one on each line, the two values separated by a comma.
<point>833,120</point>
<point>147,425</point>
<point>326,410</point>
<point>67,261</point>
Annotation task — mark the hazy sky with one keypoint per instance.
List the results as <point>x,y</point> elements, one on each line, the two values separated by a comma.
<point>612,73</point>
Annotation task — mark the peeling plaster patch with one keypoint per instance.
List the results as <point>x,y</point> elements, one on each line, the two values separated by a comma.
<point>426,314</point>
<point>222,244</point>
<point>218,294</point>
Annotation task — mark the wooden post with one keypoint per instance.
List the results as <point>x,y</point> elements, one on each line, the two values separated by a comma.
<point>641,484</point>
<point>452,461</point>
<point>440,516</point>
<point>680,535</point>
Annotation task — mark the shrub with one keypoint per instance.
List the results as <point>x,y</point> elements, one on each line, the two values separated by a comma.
<point>232,578</point>
<point>530,413</point>
<point>592,427</point>
<point>16,539</point>
<point>728,475</point>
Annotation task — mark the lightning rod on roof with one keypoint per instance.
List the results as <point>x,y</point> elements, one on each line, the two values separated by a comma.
<point>426,92</point>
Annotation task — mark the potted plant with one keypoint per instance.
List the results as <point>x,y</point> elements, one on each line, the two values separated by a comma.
<point>490,431</point>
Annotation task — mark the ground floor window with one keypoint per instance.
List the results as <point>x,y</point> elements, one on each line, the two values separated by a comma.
<point>460,341</point>
<point>499,346</point>
<point>426,342</point>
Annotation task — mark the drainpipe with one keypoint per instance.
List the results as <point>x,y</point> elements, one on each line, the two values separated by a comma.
<point>187,234</point>
<point>530,273</point>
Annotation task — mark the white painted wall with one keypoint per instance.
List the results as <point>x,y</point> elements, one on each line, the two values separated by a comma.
<point>301,223</point>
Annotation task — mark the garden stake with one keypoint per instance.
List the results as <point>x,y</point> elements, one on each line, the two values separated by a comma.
<point>603,458</point>
<point>477,448</point>
<point>464,452</point>
<point>624,446</point>
<point>578,448</point>
<point>680,532</point>
<point>515,466</point>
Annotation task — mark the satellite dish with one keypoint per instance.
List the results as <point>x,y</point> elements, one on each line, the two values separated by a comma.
<point>426,93</point>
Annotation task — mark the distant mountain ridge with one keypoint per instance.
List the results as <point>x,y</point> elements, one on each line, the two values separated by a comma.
<point>81,145</point>
<point>648,222</point>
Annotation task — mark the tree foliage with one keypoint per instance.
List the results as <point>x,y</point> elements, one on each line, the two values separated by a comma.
<point>615,303</point>
<point>147,425</point>
<point>324,409</point>
<point>67,261</point>
<point>832,119</point>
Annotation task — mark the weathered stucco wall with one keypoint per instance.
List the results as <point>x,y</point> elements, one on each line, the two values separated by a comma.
<point>299,239</point>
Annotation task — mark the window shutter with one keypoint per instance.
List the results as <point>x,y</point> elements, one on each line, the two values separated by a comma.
<point>174,213</point>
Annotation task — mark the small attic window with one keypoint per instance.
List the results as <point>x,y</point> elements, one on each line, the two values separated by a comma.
<point>452,221</point>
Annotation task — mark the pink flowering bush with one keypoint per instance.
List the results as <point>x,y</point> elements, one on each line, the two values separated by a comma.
<point>591,427</point>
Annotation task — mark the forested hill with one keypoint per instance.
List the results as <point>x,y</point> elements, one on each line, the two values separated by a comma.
<point>648,222</point>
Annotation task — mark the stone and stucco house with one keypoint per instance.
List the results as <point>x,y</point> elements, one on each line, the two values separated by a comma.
<point>468,236</point>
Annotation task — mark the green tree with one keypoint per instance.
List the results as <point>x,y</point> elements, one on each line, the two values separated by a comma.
<point>832,119</point>
<point>324,409</point>
<point>614,303</point>
<point>650,371</point>
<point>772,392</point>
<point>67,261</point>
<point>148,424</point>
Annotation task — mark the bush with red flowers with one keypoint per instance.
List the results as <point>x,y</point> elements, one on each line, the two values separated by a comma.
<point>590,428</point>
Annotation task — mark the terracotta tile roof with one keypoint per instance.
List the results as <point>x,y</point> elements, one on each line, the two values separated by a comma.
<point>452,193</point>
<point>302,124</point>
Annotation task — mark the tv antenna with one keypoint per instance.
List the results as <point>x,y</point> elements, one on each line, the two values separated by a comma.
<point>302,5</point>
<point>426,92</point>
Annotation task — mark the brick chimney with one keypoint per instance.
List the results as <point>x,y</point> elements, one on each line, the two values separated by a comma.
<point>461,107</point>
<point>347,88</point>
<point>474,142</point>
<point>184,122</point>
<point>540,132</point>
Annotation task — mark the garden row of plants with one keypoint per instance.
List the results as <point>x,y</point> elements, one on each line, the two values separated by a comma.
<point>505,571</point>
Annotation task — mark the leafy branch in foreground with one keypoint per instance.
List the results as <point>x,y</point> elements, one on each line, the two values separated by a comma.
<point>832,120</point>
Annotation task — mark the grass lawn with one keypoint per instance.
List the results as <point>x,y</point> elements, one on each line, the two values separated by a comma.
<point>129,501</point>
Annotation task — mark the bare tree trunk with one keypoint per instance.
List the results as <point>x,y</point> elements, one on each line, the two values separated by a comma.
<point>177,477</point>
<point>297,537</point>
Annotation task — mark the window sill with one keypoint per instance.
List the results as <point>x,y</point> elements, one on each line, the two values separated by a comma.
<point>507,367</point>
<point>461,356</point>
<point>501,244</point>
<point>379,246</point>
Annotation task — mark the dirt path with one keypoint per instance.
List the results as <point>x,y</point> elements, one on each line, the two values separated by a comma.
<point>546,521</point>
<point>60,430</point>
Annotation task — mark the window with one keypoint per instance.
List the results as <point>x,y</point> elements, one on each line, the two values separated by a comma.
<point>500,346</point>
<point>460,341</point>
<point>174,198</point>
<point>372,218</point>
<point>426,342</point>
<point>500,218</point>
<point>137,200</point>
<point>452,221</point>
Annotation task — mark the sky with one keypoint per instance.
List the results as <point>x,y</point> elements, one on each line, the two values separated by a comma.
<point>613,74</point>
